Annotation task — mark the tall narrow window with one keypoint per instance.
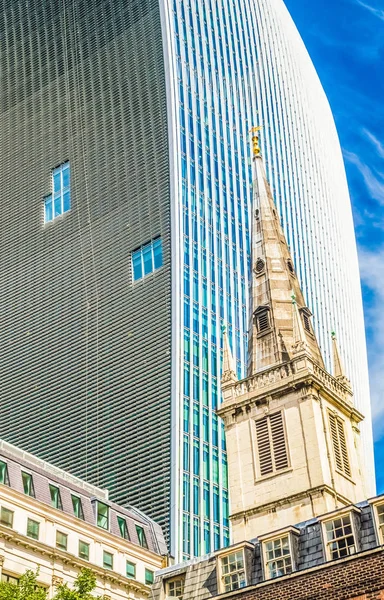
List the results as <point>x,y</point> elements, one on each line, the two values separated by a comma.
<point>102,515</point>
<point>340,537</point>
<point>147,259</point>
<point>107,560</point>
<point>33,528</point>
<point>59,201</point>
<point>130,570</point>
<point>271,444</point>
<point>149,577</point>
<point>123,528</point>
<point>339,444</point>
<point>55,497</point>
<point>4,478</point>
<point>380,517</point>
<point>28,484</point>
<point>61,540</point>
<point>77,507</point>
<point>83,550</point>
<point>141,536</point>
<point>278,557</point>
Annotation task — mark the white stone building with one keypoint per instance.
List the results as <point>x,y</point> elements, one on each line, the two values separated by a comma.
<point>57,523</point>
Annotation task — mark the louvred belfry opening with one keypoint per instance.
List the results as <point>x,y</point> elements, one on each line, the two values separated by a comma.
<point>271,444</point>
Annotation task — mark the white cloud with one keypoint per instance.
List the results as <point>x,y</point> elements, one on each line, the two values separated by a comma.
<point>372,275</point>
<point>378,12</point>
<point>374,181</point>
<point>379,146</point>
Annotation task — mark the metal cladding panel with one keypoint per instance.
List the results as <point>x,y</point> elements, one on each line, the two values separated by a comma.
<point>85,352</point>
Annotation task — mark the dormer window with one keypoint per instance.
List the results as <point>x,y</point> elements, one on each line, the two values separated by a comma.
<point>262,319</point>
<point>233,571</point>
<point>378,513</point>
<point>174,588</point>
<point>340,538</point>
<point>4,478</point>
<point>279,552</point>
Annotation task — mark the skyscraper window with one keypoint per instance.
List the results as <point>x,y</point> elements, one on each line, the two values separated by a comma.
<point>59,201</point>
<point>147,259</point>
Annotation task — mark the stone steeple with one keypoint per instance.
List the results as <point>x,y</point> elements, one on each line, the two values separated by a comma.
<point>228,374</point>
<point>281,323</point>
<point>292,431</point>
<point>338,369</point>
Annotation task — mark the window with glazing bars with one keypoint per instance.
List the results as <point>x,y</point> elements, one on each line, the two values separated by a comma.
<point>28,484</point>
<point>4,477</point>
<point>340,538</point>
<point>278,557</point>
<point>147,259</point>
<point>77,507</point>
<point>339,444</point>
<point>271,444</point>
<point>175,588</point>
<point>233,571</point>
<point>380,517</point>
<point>59,201</point>
<point>55,497</point>
<point>107,560</point>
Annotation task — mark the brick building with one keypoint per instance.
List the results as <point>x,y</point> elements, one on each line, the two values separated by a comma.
<point>338,556</point>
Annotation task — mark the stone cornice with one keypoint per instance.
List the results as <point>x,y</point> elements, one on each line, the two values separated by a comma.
<point>78,525</point>
<point>288,499</point>
<point>302,371</point>
<point>56,555</point>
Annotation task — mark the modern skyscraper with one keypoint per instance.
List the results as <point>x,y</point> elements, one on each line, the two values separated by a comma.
<point>125,197</point>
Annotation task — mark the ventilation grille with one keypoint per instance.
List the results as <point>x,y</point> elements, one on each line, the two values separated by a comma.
<point>262,321</point>
<point>339,444</point>
<point>271,444</point>
<point>259,268</point>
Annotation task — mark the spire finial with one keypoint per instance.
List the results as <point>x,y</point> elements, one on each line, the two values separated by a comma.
<point>299,338</point>
<point>338,369</point>
<point>229,367</point>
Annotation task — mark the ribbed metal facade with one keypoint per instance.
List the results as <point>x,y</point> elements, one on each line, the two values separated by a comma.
<point>85,367</point>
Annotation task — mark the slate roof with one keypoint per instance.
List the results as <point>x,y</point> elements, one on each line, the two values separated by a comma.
<point>201,573</point>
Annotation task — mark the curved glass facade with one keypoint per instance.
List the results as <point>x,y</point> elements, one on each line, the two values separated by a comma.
<point>234,64</point>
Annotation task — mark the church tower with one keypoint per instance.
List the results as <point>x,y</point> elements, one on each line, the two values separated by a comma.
<point>292,430</point>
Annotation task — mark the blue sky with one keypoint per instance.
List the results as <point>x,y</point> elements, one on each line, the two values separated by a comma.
<point>345,39</point>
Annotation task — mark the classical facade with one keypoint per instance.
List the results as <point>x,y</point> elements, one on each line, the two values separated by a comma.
<point>58,524</point>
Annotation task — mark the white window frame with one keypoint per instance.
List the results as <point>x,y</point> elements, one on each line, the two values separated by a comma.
<point>287,532</point>
<point>335,516</point>
<point>173,580</point>
<point>379,527</point>
<point>222,574</point>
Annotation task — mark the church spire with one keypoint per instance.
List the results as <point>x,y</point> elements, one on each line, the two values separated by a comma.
<point>229,367</point>
<point>278,329</point>
<point>338,369</point>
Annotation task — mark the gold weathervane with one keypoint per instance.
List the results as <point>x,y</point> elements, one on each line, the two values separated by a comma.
<point>255,140</point>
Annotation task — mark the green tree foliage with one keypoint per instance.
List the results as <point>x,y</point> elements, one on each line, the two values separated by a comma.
<point>26,589</point>
<point>83,587</point>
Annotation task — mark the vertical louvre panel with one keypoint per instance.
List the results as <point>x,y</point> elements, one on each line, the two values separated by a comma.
<point>335,442</point>
<point>264,447</point>
<point>278,442</point>
<point>343,447</point>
